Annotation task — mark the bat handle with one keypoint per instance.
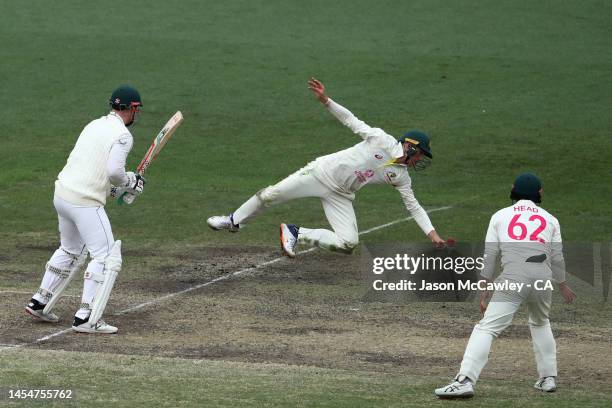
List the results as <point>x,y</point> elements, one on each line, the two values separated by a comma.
<point>126,198</point>
<point>129,198</point>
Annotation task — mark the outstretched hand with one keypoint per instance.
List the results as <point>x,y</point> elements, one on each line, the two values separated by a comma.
<point>438,241</point>
<point>318,89</point>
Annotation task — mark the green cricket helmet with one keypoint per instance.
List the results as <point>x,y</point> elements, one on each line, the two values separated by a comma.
<point>125,97</point>
<point>419,139</point>
<point>527,186</point>
<point>418,142</point>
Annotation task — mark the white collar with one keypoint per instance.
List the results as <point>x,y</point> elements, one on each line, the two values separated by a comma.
<point>114,114</point>
<point>525,201</point>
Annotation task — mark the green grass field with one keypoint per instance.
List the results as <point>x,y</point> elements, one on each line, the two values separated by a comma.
<point>502,87</point>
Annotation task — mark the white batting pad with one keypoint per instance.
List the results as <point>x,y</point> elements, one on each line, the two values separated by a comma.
<point>112,266</point>
<point>66,278</point>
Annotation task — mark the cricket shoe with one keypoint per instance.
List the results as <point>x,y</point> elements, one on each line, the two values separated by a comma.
<point>221,222</point>
<point>456,389</point>
<point>35,308</point>
<point>288,239</point>
<point>83,326</point>
<point>546,384</point>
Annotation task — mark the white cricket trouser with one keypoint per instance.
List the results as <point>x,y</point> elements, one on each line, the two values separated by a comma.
<point>498,316</point>
<point>79,227</point>
<point>338,210</point>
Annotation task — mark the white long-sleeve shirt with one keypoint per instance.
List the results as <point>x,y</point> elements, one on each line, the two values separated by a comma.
<point>522,231</point>
<point>97,160</point>
<point>368,162</point>
<point>115,166</point>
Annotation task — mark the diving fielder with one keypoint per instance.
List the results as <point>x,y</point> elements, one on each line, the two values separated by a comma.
<point>379,158</point>
<point>95,169</point>
<point>529,241</point>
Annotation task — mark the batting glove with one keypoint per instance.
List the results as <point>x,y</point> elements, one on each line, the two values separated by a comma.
<point>135,184</point>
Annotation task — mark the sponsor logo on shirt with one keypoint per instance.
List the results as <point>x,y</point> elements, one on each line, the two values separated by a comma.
<point>390,176</point>
<point>363,176</point>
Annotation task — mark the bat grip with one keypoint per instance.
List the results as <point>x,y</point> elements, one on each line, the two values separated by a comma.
<point>129,198</point>
<point>126,198</point>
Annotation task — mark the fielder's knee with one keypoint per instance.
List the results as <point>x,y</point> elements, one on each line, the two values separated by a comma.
<point>538,322</point>
<point>493,331</point>
<point>268,195</point>
<point>493,327</point>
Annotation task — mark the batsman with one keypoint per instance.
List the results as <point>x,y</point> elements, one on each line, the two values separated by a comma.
<point>95,170</point>
<point>378,159</point>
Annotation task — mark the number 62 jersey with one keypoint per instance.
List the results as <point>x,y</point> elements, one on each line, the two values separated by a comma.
<point>524,234</point>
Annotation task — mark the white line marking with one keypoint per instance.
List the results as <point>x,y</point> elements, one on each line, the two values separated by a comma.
<point>201,285</point>
<point>401,220</point>
<point>222,278</point>
<point>17,292</point>
<point>59,333</point>
<point>261,265</point>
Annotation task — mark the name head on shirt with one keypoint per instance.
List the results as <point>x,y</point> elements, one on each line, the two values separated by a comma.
<point>523,208</point>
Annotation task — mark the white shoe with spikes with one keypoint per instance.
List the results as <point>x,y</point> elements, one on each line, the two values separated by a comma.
<point>222,222</point>
<point>83,326</point>
<point>456,389</point>
<point>546,384</point>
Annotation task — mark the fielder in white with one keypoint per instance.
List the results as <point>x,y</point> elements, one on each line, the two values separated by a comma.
<point>95,169</point>
<point>379,158</point>
<point>529,241</point>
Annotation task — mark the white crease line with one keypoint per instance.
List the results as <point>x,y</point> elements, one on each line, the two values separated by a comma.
<point>401,220</point>
<point>16,292</point>
<point>224,277</point>
<point>201,285</point>
<point>59,333</point>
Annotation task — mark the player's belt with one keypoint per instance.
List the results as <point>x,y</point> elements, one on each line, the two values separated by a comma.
<point>536,258</point>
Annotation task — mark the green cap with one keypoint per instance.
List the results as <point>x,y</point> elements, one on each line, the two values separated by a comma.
<point>526,186</point>
<point>418,138</point>
<point>124,97</point>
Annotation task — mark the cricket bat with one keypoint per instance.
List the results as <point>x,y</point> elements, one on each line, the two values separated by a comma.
<point>158,143</point>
